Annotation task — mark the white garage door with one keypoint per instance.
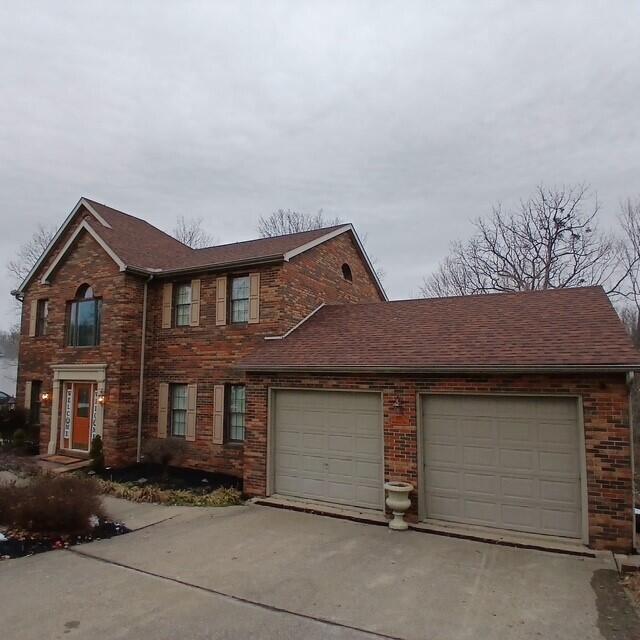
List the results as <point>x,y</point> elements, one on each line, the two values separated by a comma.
<point>507,462</point>
<point>328,446</point>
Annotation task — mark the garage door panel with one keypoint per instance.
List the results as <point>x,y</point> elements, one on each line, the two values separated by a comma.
<point>442,479</point>
<point>477,430</point>
<point>444,453</point>
<point>519,468</point>
<point>479,483</point>
<point>517,460</point>
<point>480,456</point>
<point>564,491</point>
<point>339,450</point>
<point>563,462</point>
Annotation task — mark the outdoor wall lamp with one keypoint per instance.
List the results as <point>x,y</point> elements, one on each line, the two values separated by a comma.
<point>101,398</point>
<point>397,403</point>
<point>44,396</point>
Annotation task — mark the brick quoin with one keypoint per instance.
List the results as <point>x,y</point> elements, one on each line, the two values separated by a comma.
<point>605,403</point>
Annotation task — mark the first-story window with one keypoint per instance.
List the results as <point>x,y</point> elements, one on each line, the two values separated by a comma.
<point>183,305</point>
<point>240,299</point>
<point>236,413</point>
<point>34,411</point>
<point>178,410</point>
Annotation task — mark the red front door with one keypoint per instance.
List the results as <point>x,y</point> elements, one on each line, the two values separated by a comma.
<point>81,417</point>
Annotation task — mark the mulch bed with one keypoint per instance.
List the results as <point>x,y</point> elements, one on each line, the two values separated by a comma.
<point>178,478</point>
<point>18,544</point>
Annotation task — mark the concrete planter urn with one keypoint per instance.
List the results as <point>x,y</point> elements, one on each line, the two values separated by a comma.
<point>398,502</point>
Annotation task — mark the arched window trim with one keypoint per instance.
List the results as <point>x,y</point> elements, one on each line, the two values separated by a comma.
<point>346,272</point>
<point>83,318</point>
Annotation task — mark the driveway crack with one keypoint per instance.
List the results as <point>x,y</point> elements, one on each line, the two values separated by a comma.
<point>235,598</point>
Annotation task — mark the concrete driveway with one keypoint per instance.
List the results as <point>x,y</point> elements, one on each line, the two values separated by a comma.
<point>261,572</point>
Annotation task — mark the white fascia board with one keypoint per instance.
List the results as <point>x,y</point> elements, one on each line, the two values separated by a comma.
<point>83,226</point>
<point>295,326</point>
<point>81,203</point>
<point>96,215</point>
<point>332,234</point>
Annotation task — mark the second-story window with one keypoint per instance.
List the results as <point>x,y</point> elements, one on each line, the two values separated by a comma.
<point>183,305</point>
<point>240,299</point>
<point>42,313</point>
<point>83,319</point>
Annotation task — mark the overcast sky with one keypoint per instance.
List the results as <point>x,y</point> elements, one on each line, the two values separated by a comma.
<point>408,120</point>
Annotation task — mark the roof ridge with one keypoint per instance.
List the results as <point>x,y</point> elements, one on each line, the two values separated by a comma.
<point>282,235</point>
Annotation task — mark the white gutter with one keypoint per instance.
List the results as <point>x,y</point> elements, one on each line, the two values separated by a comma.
<point>141,380</point>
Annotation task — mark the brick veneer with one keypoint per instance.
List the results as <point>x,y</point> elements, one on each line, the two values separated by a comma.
<point>119,341</point>
<point>205,355</point>
<point>605,402</point>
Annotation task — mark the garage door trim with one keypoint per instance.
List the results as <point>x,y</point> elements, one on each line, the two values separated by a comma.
<point>271,409</point>
<point>422,508</point>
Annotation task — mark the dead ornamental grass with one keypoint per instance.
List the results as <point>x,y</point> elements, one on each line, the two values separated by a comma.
<point>221,497</point>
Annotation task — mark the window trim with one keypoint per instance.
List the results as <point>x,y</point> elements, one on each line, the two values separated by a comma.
<point>347,273</point>
<point>232,300</point>
<point>72,336</point>
<point>172,409</point>
<point>228,414</point>
<point>42,319</point>
<point>176,289</point>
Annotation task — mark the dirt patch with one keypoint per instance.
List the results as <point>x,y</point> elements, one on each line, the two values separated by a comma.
<point>618,619</point>
<point>632,584</point>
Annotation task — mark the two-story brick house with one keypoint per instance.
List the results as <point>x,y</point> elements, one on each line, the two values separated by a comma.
<point>280,361</point>
<point>109,278</point>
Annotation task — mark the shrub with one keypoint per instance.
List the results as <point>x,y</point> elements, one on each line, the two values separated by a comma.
<point>19,439</point>
<point>51,505</point>
<point>164,451</point>
<point>96,453</point>
<point>221,497</point>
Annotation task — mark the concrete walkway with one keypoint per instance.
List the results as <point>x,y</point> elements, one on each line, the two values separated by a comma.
<point>256,571</point>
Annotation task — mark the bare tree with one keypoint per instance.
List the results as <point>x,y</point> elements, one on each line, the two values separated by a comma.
<point>284,221</point>
<point>189,231</point>
<point>29,253</point>
<point>629,252</point>
<point>551,241</point>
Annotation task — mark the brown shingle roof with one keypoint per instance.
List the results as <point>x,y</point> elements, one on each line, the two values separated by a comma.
<point>140,244</point>
<point>556,328</point>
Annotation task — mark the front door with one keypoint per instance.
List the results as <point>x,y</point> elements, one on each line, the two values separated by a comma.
<point>81,416</point>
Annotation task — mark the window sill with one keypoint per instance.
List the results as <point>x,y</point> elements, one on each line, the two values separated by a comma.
<point>233,444</point>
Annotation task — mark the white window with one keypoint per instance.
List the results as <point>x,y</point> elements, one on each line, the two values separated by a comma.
<point>237,412</point>
<point>240,299</point>
<point>178,410</point>
<point>183,305</point>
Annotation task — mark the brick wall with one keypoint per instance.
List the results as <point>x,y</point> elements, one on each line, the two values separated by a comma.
<point>207,354</point>
<point>119,341</point>
<point>606,427</point>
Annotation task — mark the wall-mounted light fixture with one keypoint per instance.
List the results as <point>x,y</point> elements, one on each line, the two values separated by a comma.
<point>101,398</point>
<point>397,403</point>
<point>44,396</point>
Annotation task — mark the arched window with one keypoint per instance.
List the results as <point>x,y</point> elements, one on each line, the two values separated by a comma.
<point>346,272</point>
<point>83,318</point>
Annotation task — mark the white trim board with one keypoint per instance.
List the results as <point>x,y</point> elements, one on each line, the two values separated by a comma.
<point>81,203</point>
<point>83,226</point>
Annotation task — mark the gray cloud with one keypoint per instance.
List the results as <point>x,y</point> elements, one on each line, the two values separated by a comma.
<point>406,118</point>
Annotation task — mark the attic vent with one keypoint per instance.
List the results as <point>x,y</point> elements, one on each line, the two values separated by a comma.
<point>346,272</point>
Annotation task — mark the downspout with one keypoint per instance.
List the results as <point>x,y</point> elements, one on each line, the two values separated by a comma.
<point>141,382</point>
<point>631,382</point>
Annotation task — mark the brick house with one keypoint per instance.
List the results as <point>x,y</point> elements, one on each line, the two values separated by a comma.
<point>280,361</point>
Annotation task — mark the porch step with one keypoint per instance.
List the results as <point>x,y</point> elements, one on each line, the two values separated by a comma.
<point>59,464</point>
